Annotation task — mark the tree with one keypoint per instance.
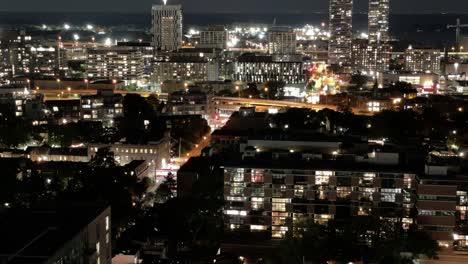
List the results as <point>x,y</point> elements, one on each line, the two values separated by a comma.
<point>359,80</point>
<point>275,89</point>
<point>14,132</point>
<point>361,238</point>
<point>103,158</point>
<point>165,189</point>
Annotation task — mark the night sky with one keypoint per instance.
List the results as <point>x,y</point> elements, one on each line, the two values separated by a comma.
<point>273,6</point>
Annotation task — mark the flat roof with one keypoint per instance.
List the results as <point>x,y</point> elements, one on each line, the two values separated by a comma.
<point>34,235</point>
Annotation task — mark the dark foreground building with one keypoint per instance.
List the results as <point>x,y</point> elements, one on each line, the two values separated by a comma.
<point>75,234</point>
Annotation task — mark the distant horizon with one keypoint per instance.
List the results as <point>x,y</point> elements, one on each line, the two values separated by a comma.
<point>223,12</point>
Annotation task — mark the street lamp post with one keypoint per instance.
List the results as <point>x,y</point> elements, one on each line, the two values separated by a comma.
<point>59,84</point>
<point>267,93</point>
<point>114,82</point>
<point>238,91</point>
<point>87,83</point>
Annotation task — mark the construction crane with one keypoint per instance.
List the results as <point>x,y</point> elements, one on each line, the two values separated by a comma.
<point>458,28</point>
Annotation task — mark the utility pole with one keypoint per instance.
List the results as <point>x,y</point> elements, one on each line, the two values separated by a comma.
<point>458,28</point>
<point>180,147</point>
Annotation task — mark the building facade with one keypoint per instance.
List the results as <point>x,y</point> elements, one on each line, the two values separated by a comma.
<point>341,31</point>
<point>214,38</point>
<point>370,57</point>
<point>422,60</point>
<point>185,69</point>
<point>281,40</point>
<point>156,154</point>
<point>261,68</point>
<point>379,12</point>
<point>272,199</point>
<point>167,27</point>
<point>190,102</point>
<point>119,63</point>
<point>115,63</point>
<point>104,106</point>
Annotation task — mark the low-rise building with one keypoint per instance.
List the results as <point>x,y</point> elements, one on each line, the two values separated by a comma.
<point>192,101</point>
<point>156,154</point>
<point>417,79</point>
<point>104,107</point>
<point>71,234</point>
<point>46,153</point>
<point>64,111</point>
<point>19,102</point>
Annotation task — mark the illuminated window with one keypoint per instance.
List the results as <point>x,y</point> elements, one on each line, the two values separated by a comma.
<point>299,191</point>
<point>278,231</point>
<point>257,227</point>
<point>279,204</point>
<point>257,176</point>
<point>257,203</point>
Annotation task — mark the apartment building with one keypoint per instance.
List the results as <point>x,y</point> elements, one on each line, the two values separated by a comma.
<point>271,192</point>
<point>156,154</point>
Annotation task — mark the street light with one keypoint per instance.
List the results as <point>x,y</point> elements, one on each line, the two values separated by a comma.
<point>267,93</point>
<point>59,83</point>
<point>114,82</point>
<point>238,90</point>
<point>87,83</point>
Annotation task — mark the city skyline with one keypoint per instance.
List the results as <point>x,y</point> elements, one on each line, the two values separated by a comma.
<point>293,6</point>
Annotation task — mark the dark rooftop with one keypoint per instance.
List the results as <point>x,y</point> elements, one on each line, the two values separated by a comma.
<point>30,236</point>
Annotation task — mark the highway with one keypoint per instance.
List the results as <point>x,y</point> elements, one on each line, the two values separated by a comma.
<point>269,103</point>
<point>219,102</point>
<point>64,94</point>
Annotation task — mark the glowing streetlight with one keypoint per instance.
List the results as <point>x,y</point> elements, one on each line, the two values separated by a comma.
<point>89,27</point>
<point>76,37</point>
<point>108,42</point>
<point>59,83</point>
<point>66,27</point>
<point>87,83</point>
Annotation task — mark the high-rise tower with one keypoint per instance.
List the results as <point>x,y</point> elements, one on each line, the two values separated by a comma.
<point>167,27</point>
<point>341,31</point>
<point>379,11</point>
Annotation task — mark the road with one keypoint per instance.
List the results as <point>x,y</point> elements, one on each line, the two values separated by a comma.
<point>195,152</point>
<point>224,102</point>
<point>63,94</point>
<point>227,102</point>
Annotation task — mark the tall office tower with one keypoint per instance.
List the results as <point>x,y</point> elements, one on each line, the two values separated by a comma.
<point>341,31</point>
<point>281,40</point>
<point>167,27</point>
<point>379,11</point>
